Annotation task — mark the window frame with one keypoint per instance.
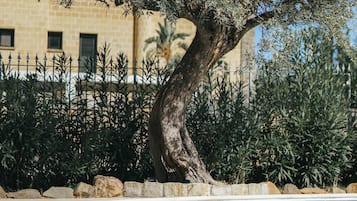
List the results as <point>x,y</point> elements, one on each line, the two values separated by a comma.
<point>83,58</point>
<point>54,34</point>
<point>11,33</point>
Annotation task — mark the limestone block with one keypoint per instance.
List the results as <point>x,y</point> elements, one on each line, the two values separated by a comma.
<point>59,192</point>
<point>133,189</point>
<point>313,191</point>
<point>153,189</point>
<point>107,186</point>
<point>271,187</point>
<point>336,190</point>
<point>25,194</point>
<point>221,190</point>
<point>291,189</point>
<point>2,193</point>
<point>83,190</point>
<point>352,188</point>
<point>240,189</point>
<point>255,189</point>
<point>174,190</point>
<point>198,189</point>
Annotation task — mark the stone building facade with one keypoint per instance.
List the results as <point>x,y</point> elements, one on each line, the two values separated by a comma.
<point>44,27</point>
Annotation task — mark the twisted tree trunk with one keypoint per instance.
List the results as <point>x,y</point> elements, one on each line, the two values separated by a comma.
<point>173,152</point>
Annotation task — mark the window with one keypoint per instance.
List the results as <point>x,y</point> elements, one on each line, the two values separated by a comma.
<point>87,53</point>
<point>54,40</point>
<point>7,37</point>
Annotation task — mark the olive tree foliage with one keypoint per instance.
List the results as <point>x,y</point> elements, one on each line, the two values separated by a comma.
<point>220,25</point>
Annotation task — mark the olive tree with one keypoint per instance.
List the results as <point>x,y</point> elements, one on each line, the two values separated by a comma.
<point>220,25</point>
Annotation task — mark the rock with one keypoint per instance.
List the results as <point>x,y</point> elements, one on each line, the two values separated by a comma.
<point>59,192</point>
<point>239,189</point>
<point>107,186</point>
<point>2,193</point>
<point>198,189</point>
<point>352,188</point>
<point>25,194</point>
<point>313,191</point>
<point>83,190</point>
<point>221,190</point>
<point>174,190</point>
<point>272,189</point>
<point>133,189</point>
<point>336,190</point>
<point>153,189</point>
<point>291,189</point>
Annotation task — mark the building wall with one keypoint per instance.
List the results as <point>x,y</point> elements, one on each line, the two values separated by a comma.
<point>32,19</point>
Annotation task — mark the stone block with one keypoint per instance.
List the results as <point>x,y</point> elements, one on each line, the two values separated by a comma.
<point>83,190</point>
<point>313,191</point>
<point>133,189</point>
<point>291,189</point>
<point>25,194</point>
<point>153,189</point>
<point>271,188</point>
<point>352,188</point>
<point>59,192</point>
<point>336,190</point>
<point>221,190</point>
<point>175,190</point>
<point>107,186</point>
<point>240,189</point>
<point>198,189</point>
<point>2,193</point>
<point>255,189</point>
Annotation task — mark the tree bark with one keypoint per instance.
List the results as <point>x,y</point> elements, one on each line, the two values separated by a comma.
<point>174,154</point>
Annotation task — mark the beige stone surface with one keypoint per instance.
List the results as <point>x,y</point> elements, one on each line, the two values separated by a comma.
<point>221,190</point>
<point>255,189</point>
<point>240,189</point>
<point>2,193</point>
<point>133,189</point>
<point>59,192</point>
<point>198,189</point>
<point>174,190</point>
<point>107,186</point>
<point>352,188</point>
<point>313,191</point>
<point>272,188</point>
<point>291,189</point>
<point>123,33</point>
<point>336,190</point>
<point>84,190</point>
<point>25,194</point>
<point>153,189</point>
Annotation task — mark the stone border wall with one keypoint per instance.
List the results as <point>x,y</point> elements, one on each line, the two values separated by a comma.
<point>155,189</point>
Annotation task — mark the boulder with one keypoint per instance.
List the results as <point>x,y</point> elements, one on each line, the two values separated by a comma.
<point>313,191</point>
<point>84,190</point>
<point>2,193</point>
<point>107,186</point>
<point>25,194</point>
<point>352,188</point>
<point>291,189</point>
<point>59,192</point>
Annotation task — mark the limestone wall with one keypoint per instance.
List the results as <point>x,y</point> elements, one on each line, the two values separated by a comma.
<point>33,19</point>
